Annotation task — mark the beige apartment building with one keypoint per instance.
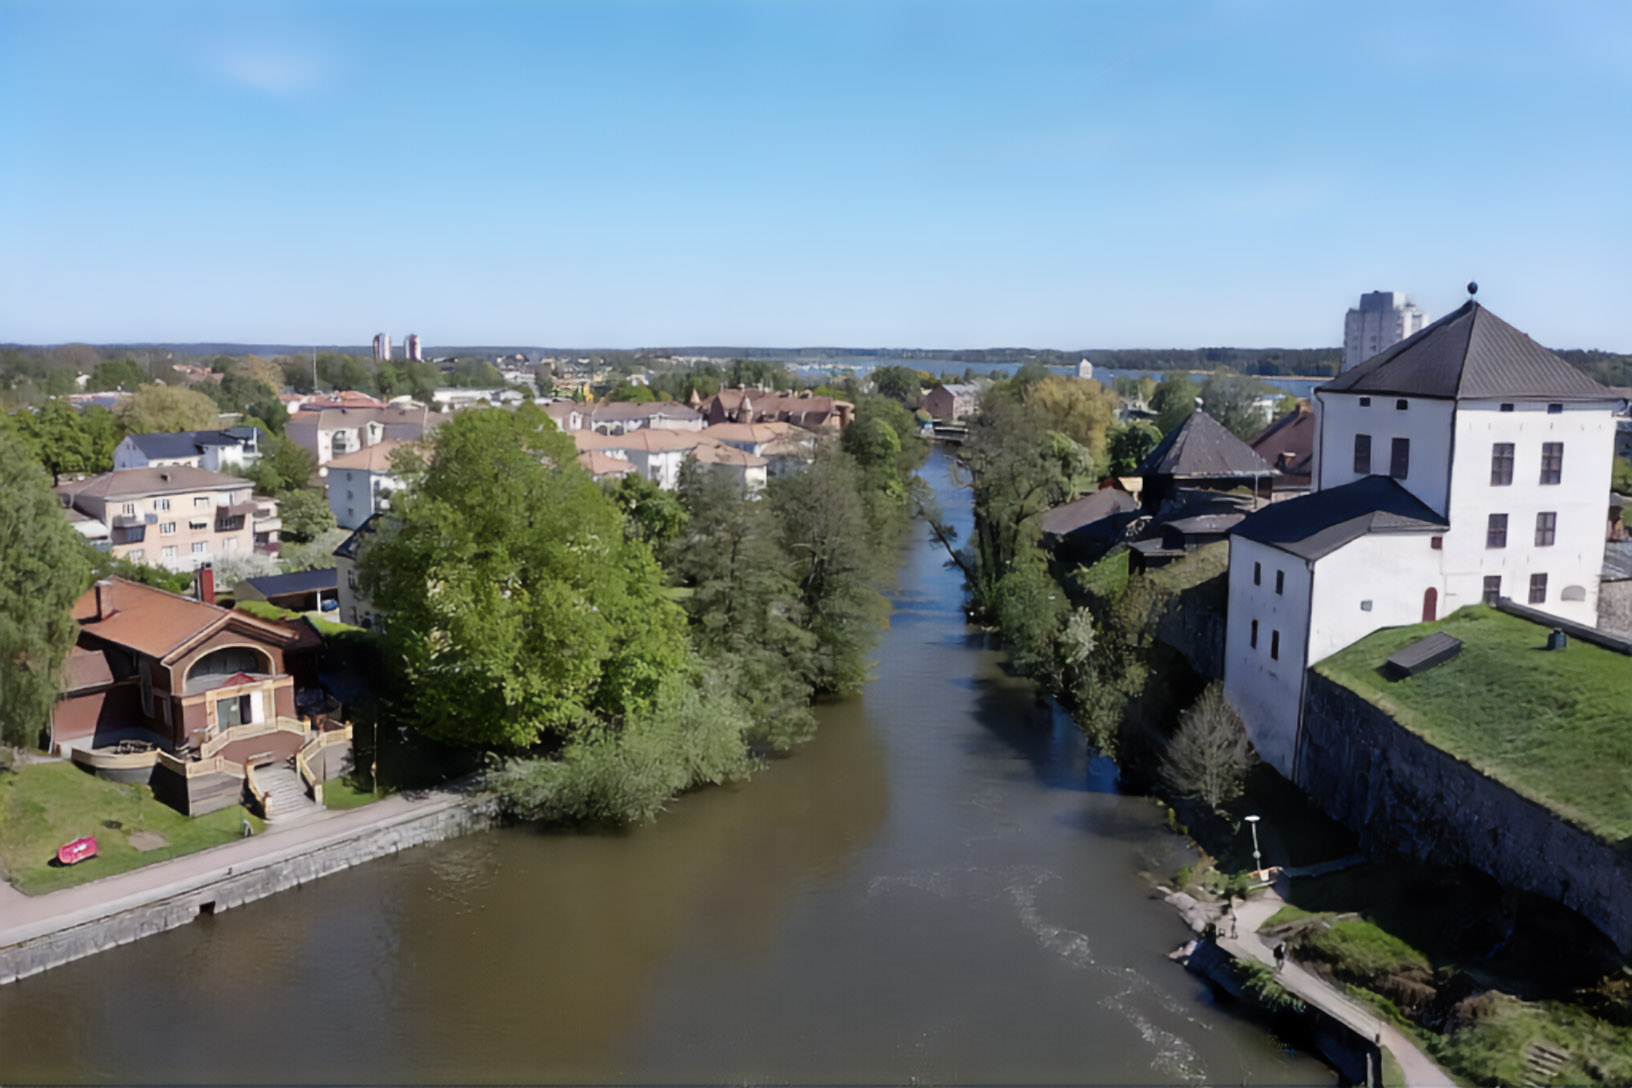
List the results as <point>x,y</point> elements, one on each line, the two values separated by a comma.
<point>176,516</point>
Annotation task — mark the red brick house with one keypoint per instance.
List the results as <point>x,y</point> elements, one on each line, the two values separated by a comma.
<point>182,694</point>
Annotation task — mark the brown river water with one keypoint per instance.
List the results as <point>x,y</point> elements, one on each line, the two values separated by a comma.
<point>943,886</point>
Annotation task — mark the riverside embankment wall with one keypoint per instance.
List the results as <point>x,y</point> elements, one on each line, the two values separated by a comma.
<point>1403,795</point>
<point>142,915</point>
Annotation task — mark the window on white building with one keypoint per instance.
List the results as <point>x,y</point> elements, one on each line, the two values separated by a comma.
<point>1493,588</point>
<point>1507,407</point>
<point>130,508</point>
<point>167,527</point>
<point>161,504</point>
<point>1257,574</point>
<point>167,552</point>
<point>1399,458</point>
<point>1362,454</point>
<point>1552,462</point>
<point>1496,531</point>
<point>1254,634</point>
<point>1274,645</point>
<point>1555,409</point>
<point>1546,528</point>
<point>1400,405</point>
<point>1365,606</point>
<point>1280,581</point>
<point>1501,464</point>
<point>200,500</point>
<point>1538,589</point>
<point>137,555</point>
<point>198,547</point>
<point>1365,402</point>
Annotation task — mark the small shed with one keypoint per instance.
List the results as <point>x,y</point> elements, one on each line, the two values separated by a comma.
<point>302,591</point>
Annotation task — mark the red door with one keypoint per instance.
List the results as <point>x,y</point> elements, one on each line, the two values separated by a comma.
<point>1430,602</point>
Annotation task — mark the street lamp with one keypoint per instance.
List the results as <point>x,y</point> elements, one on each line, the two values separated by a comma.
<point>1257,860</point>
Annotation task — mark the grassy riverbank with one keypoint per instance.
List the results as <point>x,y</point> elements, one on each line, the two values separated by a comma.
<point>43,805</point>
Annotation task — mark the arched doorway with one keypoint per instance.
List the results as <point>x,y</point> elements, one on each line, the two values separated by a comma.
<point>1430,604</point>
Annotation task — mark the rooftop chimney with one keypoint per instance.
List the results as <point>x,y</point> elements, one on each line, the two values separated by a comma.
<point>204,582</point>
<point>104,599</point>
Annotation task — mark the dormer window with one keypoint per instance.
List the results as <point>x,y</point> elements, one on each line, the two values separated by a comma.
<point>1507,407</point>
<point>1555,409</point>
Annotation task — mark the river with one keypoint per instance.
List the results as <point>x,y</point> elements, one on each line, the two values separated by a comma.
<point>943,886</point>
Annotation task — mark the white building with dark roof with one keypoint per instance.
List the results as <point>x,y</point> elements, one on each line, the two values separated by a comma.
<point>1382,319</point>
<point>1464,463</point>
<point>218,451</point>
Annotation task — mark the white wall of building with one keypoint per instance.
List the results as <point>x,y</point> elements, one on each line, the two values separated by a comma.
<point>1267,690</point>
<point>1428,424</point>
<point>355,494</point>
<point>1575,560</point>
<point>1376,581</point>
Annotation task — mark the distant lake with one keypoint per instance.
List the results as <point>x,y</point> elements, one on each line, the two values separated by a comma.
<point>862,364</point>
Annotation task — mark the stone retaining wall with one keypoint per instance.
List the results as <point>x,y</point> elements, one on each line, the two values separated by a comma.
<point>246,883</point>
<point>1403,795</point>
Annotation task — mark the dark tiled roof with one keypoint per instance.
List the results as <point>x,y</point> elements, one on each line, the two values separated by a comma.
<point>1072,516</point>
<point>1293,435</point>
<point>1321,522</point>
<point>1618,561</point>
<point>1469,354</point>
<point>189,443</point>
<point>301,581</point>
<point>348,547</point>
<point>1200,446</point>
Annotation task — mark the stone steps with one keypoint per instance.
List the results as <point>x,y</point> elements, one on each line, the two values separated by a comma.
<point>288,794</point>
<point>1542,1065</point>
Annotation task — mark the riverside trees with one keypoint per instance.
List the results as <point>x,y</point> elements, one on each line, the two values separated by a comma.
<point>529,616</point>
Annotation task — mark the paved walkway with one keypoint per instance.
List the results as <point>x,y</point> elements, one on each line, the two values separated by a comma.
<point>24,917</point>
<point>1419,1069</point>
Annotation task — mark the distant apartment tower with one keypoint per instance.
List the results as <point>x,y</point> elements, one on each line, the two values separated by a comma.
<point>1382,319</point>
<point>410,347</point>
<point>382,347</point>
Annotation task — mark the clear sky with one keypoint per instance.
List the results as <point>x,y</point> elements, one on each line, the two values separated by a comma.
<point>1089,174</point>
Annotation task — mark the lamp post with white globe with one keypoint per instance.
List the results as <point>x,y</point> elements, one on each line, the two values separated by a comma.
<point>1257,860</point>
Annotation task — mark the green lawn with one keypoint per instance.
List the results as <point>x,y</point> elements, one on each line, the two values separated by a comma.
<point>44,805</point>
<point>1553,726</point>
<point>338,793</point>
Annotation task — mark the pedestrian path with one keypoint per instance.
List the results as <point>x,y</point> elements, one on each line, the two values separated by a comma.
<point>26,917</point>
<point>1419,1069</point>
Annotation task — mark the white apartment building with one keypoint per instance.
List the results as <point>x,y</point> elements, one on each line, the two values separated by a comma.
<point>1465,463</point>
<point>382,347</point>
<point>1382,319</point>
<point>360,483</point>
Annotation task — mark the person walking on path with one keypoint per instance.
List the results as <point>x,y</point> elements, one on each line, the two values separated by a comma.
<point>1280,955</point>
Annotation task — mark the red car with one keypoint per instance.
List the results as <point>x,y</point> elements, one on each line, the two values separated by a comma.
<point>72,853</point>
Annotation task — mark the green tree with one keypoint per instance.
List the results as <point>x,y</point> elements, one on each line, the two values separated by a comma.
<point>1230,399</point>
<point>746,610</point>
<point>1173,401</point>
<point>651,515</point>
<point>1130,444</point>
<point>823,516</point>
<point>1030,610</point>
<point>899,383</point>
<point>630,392</point>
<point>517,609</point>
<point>283,466</point>
<point>1085,411</point>
<point>43,570</point>
<point>166,408</point>
<point>305,514</point>
<point>118,374</point>
<point>68,443</point>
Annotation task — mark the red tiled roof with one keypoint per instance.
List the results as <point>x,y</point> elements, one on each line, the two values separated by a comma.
<point>153,622</point>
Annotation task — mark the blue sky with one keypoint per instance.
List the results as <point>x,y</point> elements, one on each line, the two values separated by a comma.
<point>869,173</point>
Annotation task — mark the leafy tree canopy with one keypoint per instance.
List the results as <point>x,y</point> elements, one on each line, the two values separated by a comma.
<point>118,374</point>
<point>1229,398</point>
<point>519,611</point>
<point>164,408</point>
<point>305,514</point>
<point>283,466</point>
<point>43,570</point>
<point>1130,445</point>
<point>1173,401</point>
<point>1082,410</point>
